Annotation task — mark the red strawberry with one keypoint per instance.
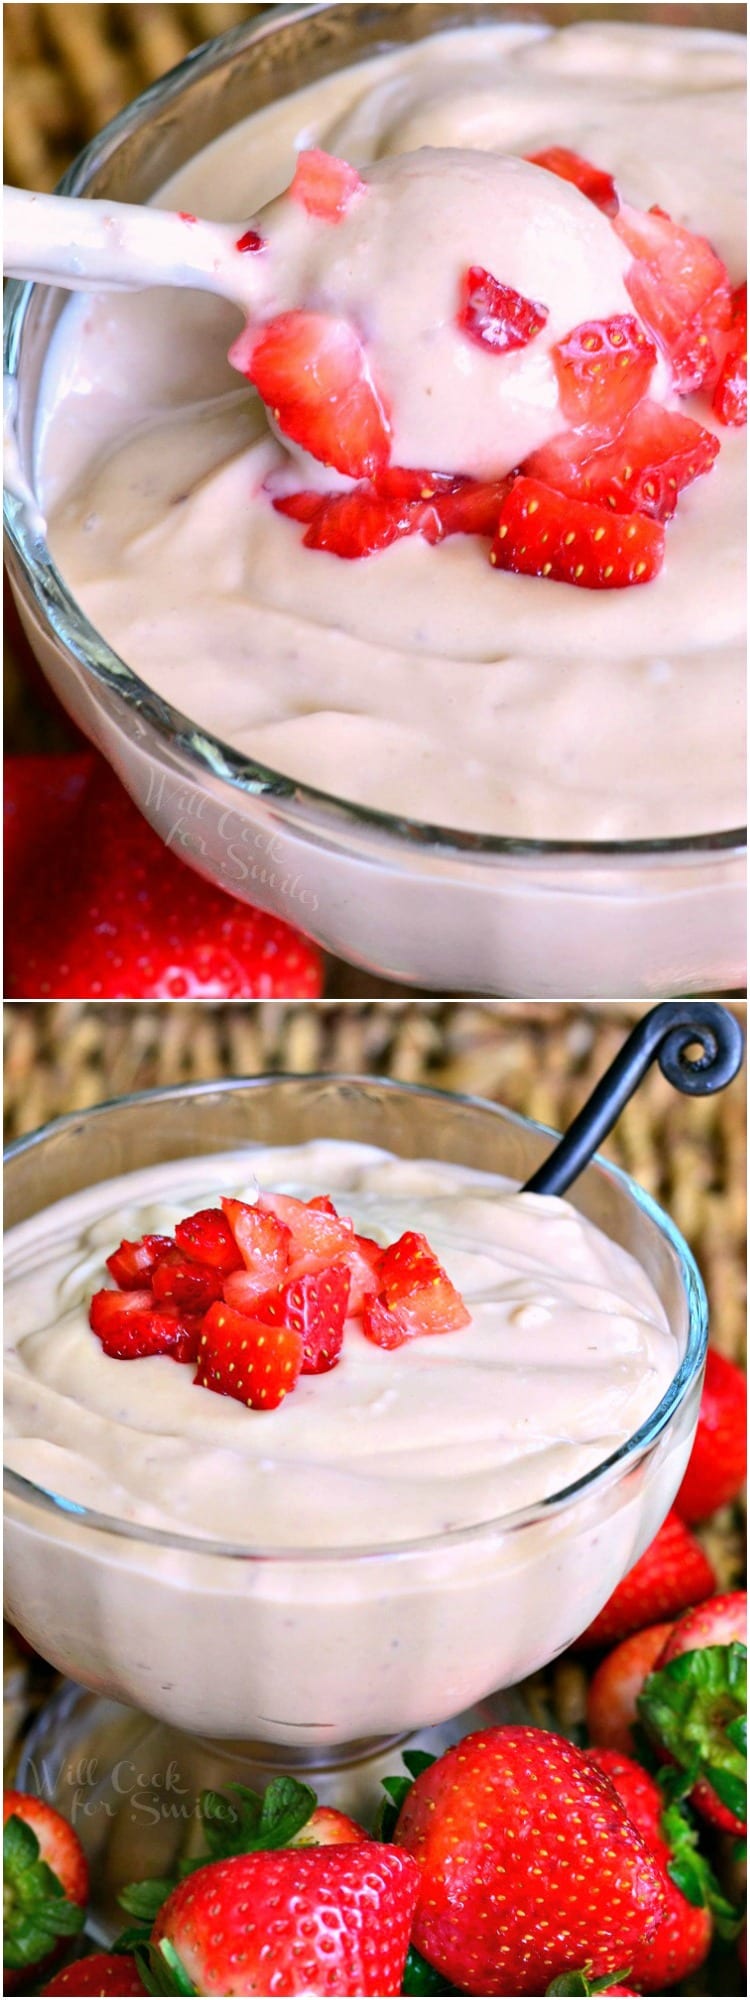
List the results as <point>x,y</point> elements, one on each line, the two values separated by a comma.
<point>318,1238</point>
<point>415,1296</point>
<point>42,798</point>
<point>695,1704</point>
<point>104,1972</point>
<point>683,1939</point>
<point>364,1258</point>
<point>603,368</point>
<point>529,1865</point>
<point>362,523</point>
<point>331,1920</point>
<point>672,1573</point>
<point>717,1464</point>
<point>541,533</point>
<point>328,1828</point>
<point>316,1306</point>
<point>312,371</point>
<point>494,315</point>
<point>592,181</point>
<point>641,471</point>
<point>185,1284</point>
<point>264,1244</point>
<point>730,394</point>
<point>207,1238</point>
<point>680,288</point>
<point>46,1883</point>
<point>133,1264</point>
<point>370,518</point>
<point>110,913</point>
<point>131,1325</point>
<point>248,1359</point>
<point>325,186</point>
<point>250,241</point>
<point>614,1689</point>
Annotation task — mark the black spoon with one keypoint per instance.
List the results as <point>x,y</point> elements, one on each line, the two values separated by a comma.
<point>664,1035</point>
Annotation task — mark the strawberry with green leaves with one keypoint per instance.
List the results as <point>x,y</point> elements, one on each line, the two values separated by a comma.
<point>46,1882</point>
<point>683,1939</point>
<point>694,1707</point>
<point>529,1865</point>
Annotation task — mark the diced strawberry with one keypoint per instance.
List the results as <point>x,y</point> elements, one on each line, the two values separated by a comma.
<point>246,1358</point>
<point>643,470</point>
<point>250,241</point>
<point>264,1244</point>
<point>494,314</point>
<point>207,1238</point>
<point>316,1307</point>
<point>360,523</point>
<point>415,1296</point>
<point>133,1263</point>
<point>409,482</point>
<point>680,288</point>
<point>312,371</point>
<point>301,506</point>
<point>730,394</point>
<point>324,1205</point>
<point>129,1326</point>
<point>364,1259</point>
<point>603,367</point>
<point>318,1238</point>
<point>370,518</point>
<point>407,1266</point>
<point>186,1284</point>
<point>473,508</point>
<point>592,181</point>
<point>542,533</point>
<point>325,185</point>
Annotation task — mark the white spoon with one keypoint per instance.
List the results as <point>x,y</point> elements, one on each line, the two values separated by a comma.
<point>115,246</point>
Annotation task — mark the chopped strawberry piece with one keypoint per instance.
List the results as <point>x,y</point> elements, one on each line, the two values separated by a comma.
<point>730,394</point>
<point>473,508</point>
<point>264,1244</point>
<point>300,506</point>
<point>415,1295</point>
<point>250,241</point>
<point>408,482</point>
<point>325,185</point>
<point>185,1283</point>
<point>359,523</point>
<point>129,1327</point>
<point>542,533</point>
<point>312,371</point>
<point>318,1238</point>
<point>643,470</point>
<point>207,1238</point>
<point>133,1263</point>
<point>495,315</point>
<point>247,1358</point>
<point>680,288</point>
<point>324,1204</point>
<point>407,1266</point>
<point>364,1259</point>
<point>316,1307</point>
<point>603,367</point>
<point>592,181</point>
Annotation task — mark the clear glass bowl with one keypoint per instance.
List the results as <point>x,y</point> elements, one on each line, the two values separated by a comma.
<point>313,1650</point>
<point>445,910</point>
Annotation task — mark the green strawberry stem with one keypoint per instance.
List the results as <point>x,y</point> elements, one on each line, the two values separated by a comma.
<point>36,1911</point>
<point>696,1708</point>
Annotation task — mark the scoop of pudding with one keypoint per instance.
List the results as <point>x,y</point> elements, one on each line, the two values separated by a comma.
<point>458,272</point>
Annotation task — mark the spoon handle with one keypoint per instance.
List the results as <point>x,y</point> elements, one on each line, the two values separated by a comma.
<point>114,246</point>
<point>665,1035</point>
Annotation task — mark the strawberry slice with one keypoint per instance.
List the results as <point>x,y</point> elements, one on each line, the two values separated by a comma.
<point>603,367</point>
<point>370,518</point>
<point>185,1283</point>
<point>680,288</point>
<point>247,1358</point>
<point>312,371</point>
<point>592,181</point>
<point>643,470</point>
<point>207,1238</point>
<point>360,523</point>
<point>494,314</point>
<point>326,186</point>
<point>318,1238</point>
<point>730,395</point>
<point>415,1297</point>
<point>264,1244</point>
<point>129,1326</point>
<point>316,1307</point>
<point>133,1264</point>
<point>542,533</point>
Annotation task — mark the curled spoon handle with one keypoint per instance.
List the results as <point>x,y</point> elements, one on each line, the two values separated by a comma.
<point>665,1035</point>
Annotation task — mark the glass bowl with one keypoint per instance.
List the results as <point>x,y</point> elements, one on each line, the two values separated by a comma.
<point>313,1650</point>
<point>441,909</point>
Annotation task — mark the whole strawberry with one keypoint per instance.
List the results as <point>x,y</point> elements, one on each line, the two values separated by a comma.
<point>694,1706</point>
<point>98,908</point>
<point>530,1867</point>
<point>683,1939</point>
<point>327,1920</point>
<point>672,1573</point>
<point>46,1881</point>
<point>104,1972</point>
<point>717,1465</point>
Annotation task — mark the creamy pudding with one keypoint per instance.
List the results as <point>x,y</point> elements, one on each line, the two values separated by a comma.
<point>421,680</point>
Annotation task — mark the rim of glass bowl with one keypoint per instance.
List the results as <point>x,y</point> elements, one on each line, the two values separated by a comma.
<point>641,1440</point>
<point>195,745</point>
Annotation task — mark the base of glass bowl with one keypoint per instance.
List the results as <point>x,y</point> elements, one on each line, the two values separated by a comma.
<point>130,1786</point>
